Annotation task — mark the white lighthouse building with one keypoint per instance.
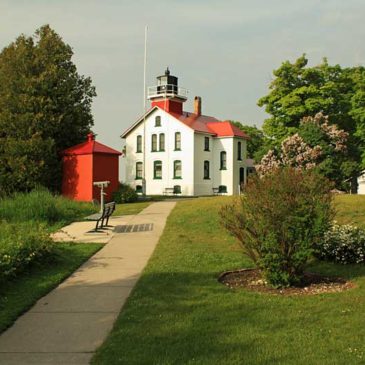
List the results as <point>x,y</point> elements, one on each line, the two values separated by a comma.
<point>169,150</point>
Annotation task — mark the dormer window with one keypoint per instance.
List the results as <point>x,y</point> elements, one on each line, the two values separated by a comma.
<point>158,121</point>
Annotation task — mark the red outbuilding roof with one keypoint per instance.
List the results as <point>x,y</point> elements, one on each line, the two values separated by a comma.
<point>90,147</point>
<point>200,123</point>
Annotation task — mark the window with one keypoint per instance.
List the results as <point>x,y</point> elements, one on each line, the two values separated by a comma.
<point>177,189</point>
<point>177,169</point>
<point>239,151</point>
<point>154,142</point>
<point>139,143</point>
<point>206,170</point>
<point>223,160</point>
<point>162,142</point>
<point>206,143</point>
<point>157,170</point>
<point>139,189</point>
<point>158,121</point>
<point>177,141</point>
<point>139,170</point>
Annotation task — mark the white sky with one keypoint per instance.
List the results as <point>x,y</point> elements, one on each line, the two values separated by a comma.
<point>223,51</point>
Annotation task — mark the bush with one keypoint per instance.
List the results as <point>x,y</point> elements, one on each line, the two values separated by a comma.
<point>344,244</point>
<point>21,245</point>
<point>125,194</point>
<point>41,206</point>
<point>278,220</point>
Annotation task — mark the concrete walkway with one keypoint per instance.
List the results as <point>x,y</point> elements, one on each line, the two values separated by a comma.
<point>72,321</point>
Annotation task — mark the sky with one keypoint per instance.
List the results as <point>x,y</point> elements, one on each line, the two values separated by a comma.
<point>223,51</point>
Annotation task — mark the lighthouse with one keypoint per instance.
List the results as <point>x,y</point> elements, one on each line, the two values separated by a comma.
<point>167,94</point>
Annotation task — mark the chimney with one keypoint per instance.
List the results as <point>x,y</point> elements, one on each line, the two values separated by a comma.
<point>90,137</point>
<point>198,105</point>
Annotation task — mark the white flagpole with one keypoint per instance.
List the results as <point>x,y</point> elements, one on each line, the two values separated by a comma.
<point>144,110</point>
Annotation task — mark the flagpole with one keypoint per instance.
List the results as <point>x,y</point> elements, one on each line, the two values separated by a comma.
<point>144,109</point>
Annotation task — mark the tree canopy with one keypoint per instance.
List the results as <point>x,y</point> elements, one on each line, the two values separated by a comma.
<point>257,143</point>
<point>299,91</point>
<point>45,107</point>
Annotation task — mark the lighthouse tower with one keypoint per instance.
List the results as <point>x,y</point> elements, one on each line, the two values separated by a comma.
<point>167,94</point>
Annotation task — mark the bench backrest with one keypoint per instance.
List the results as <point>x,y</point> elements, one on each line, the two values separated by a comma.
<point>108,209</point>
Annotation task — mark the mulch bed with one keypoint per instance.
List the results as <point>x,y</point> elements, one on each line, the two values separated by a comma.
<point>251,279</point>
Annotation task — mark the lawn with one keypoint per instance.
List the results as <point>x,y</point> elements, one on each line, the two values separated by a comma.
<point>351,209</point>
<point>179,313</point>
<point>130,208</point>
<point>20,294</point>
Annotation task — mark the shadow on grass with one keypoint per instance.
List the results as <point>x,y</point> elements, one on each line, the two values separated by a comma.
<point>189,317</point>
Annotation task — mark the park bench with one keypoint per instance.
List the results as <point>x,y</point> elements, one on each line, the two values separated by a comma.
<point>102,217</point>
<point>175,190</point>
<point>221,189</point>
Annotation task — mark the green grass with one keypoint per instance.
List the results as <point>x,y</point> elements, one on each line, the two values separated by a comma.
<point>42,207</point>
<point>350,209</point>
<point>178,313</point>
<point>130,208</point>
<point>20,294</point>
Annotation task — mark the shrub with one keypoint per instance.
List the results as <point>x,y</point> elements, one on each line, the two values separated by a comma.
<point>278,220</point>
<point>21,245</point>
<point>344,244</point>
<point>41,206</point>
<point>125,194</point>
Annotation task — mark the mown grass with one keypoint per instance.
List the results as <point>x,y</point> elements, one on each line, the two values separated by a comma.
<point>350,209</point>
<point>18,295</point>
<point>179,313</point>
<point>130,208</point>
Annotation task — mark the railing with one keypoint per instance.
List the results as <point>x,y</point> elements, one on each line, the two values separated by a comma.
<point>167,90</point>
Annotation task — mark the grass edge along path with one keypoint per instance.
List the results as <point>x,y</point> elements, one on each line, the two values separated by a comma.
<point>20,294</point>
<point>178,313</point>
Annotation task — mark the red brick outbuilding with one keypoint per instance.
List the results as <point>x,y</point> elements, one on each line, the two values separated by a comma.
<point>86,163</point>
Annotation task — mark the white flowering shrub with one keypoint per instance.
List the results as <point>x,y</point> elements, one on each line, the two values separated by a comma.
<point>344,244</point>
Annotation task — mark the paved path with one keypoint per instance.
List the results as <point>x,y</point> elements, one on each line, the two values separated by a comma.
<point>85,231</point>
<point>72,321</point>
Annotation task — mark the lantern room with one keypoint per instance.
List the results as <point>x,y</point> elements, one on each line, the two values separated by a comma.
<point>167,94</point>
<point>86,163</point>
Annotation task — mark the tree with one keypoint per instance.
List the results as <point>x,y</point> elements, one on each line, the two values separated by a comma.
<point>45,107</point>
<point>298,91</point>
<point>257,145</point>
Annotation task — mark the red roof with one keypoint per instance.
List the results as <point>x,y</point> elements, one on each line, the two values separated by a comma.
<point>90,147</point>
<point>200,123</point>
<point>211,125</point>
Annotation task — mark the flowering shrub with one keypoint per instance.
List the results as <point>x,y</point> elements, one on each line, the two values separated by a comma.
<point>322,140</point>
<point>278,221</point>
<point>344,244</point>
<point>20,246</point>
